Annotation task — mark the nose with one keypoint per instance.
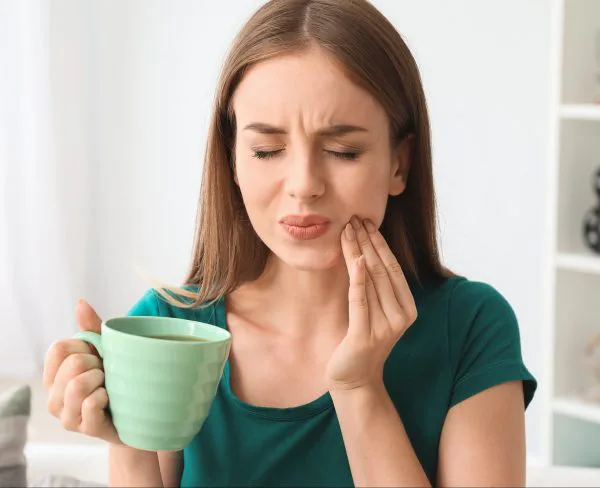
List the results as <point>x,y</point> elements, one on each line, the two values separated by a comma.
<point>304,179</point>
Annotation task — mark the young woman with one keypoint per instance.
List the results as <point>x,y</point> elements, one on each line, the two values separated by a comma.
<point>357,358</point>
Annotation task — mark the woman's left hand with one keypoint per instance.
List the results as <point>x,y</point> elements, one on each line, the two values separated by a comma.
<point>381,308</point>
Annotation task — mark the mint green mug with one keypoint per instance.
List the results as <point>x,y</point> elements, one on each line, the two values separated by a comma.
<point>161,376</point>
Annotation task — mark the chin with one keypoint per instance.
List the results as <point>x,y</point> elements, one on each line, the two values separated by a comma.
<point>316,259</point>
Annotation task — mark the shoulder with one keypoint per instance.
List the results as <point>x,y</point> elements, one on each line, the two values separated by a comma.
<point>462,301</point>
<point>153,303</point>
<point>483,338</point>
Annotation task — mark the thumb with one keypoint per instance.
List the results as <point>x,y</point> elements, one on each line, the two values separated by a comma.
<point>87,318</point>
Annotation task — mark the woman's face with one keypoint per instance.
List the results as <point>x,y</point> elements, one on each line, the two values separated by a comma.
<point>311,143</point>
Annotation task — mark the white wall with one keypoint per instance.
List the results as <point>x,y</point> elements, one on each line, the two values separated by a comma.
<point>152,68</point>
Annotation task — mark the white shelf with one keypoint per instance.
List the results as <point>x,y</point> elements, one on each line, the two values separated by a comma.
<point>578,262</point>
<point>577,408</point>
<point>580,111</point>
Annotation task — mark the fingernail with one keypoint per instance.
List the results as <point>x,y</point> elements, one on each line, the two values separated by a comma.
<point>370,226</point>
<point>355,222</point>
<point>81,301</point>
<point>349,232</point>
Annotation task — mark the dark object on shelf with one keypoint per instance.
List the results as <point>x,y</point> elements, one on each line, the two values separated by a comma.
<point>591,221</point>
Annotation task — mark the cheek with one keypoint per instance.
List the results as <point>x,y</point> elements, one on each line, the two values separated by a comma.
<point>256,190</point>
<point>366,195</point>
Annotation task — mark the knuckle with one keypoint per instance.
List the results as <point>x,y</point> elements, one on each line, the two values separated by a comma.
<point>78,363</point>
<point>355,254</point>
<point>398,322</point>
<point>69,423</point>
<point>59,348</point>
<point>53,407</point>
<point>76,389</point>
<point>360,302</point>
<point>394,267</point>
<point>94,403</point>
<point>378,270</point>
<point>363,241</point>
<point>90,428</point>
<point>413,315</point>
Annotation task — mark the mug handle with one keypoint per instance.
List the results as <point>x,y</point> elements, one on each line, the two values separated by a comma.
<point>92,338</point>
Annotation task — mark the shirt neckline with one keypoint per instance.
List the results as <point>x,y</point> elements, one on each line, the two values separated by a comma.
<point>300,412</point>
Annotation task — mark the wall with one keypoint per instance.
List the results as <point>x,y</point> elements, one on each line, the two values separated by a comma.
<point>152,69</point>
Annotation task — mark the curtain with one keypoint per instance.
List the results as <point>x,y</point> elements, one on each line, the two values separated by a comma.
<point>42,218</point>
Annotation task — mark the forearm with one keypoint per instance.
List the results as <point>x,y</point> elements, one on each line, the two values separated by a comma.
<point>378,448</point>
<point>133,467</point>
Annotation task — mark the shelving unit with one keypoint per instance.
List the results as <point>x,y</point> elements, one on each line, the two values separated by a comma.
<point>573,271</point>
<point>576,408</point>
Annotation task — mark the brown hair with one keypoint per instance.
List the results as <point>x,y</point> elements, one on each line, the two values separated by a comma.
<point>227,251</point>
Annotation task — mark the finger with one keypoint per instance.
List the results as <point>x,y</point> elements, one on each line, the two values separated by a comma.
<point>358,307</point>
<point>78,389</point>
<point>72,366</point>
<point>94,417</point>
<point>376,269</point>
<point>56,355</point>
<point>396,276</point>
<point>350,248</point>
<point>377,319</point>
<point>87,318</point>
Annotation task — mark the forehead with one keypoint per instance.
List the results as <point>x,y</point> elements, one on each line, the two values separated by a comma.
<point>310,86</point>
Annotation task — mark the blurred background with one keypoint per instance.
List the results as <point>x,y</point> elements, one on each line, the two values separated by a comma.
<point>104,106</point>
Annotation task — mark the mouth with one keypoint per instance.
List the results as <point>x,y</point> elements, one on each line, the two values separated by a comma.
<point>305,227</point>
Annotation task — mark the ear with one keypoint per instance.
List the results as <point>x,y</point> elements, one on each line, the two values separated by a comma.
<point>400,167</point>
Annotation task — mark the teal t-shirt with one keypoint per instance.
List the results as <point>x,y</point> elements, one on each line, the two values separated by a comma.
<point>465,339</point>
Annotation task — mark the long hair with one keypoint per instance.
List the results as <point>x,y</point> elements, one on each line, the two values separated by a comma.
<point>227,251</point>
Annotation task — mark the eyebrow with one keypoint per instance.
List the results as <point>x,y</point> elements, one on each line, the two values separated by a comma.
<point>334,130</point>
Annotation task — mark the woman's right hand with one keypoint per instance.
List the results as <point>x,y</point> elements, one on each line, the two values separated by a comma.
<point>74,378</point>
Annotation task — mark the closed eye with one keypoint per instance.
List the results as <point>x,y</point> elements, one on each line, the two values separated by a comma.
<point>348,156</point>
<point>266,154</point>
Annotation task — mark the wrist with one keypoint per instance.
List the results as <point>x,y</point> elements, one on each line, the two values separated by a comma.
<point>367,391</point>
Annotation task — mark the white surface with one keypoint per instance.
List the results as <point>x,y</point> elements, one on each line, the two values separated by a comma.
<point>562,477</point>
<point>574,407</point>
<point>580,112</point>
<point>82,461</point>
<point>578,262</point>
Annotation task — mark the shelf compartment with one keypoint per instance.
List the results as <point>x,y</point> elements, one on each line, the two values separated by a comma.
<point>577,322</point>
<point>576,442</point>
<point>581,66</point>
<point>579,162</point>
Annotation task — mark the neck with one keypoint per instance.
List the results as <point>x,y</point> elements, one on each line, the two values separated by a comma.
<point>298,302</point>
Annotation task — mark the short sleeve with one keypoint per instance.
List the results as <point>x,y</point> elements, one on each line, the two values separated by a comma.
<point>485,344</point>
<point>147,306</point>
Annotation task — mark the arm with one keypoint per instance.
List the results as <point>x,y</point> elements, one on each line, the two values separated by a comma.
<point>171,468</point>
<point>378,448</point>
<point>483,440</point>
<point>133,467</point>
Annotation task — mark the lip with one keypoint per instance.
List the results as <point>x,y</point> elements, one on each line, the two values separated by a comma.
<point>305,227</point>
<point>304,220</point>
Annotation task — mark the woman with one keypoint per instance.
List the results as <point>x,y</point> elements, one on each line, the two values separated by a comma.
<point>357,358</point>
